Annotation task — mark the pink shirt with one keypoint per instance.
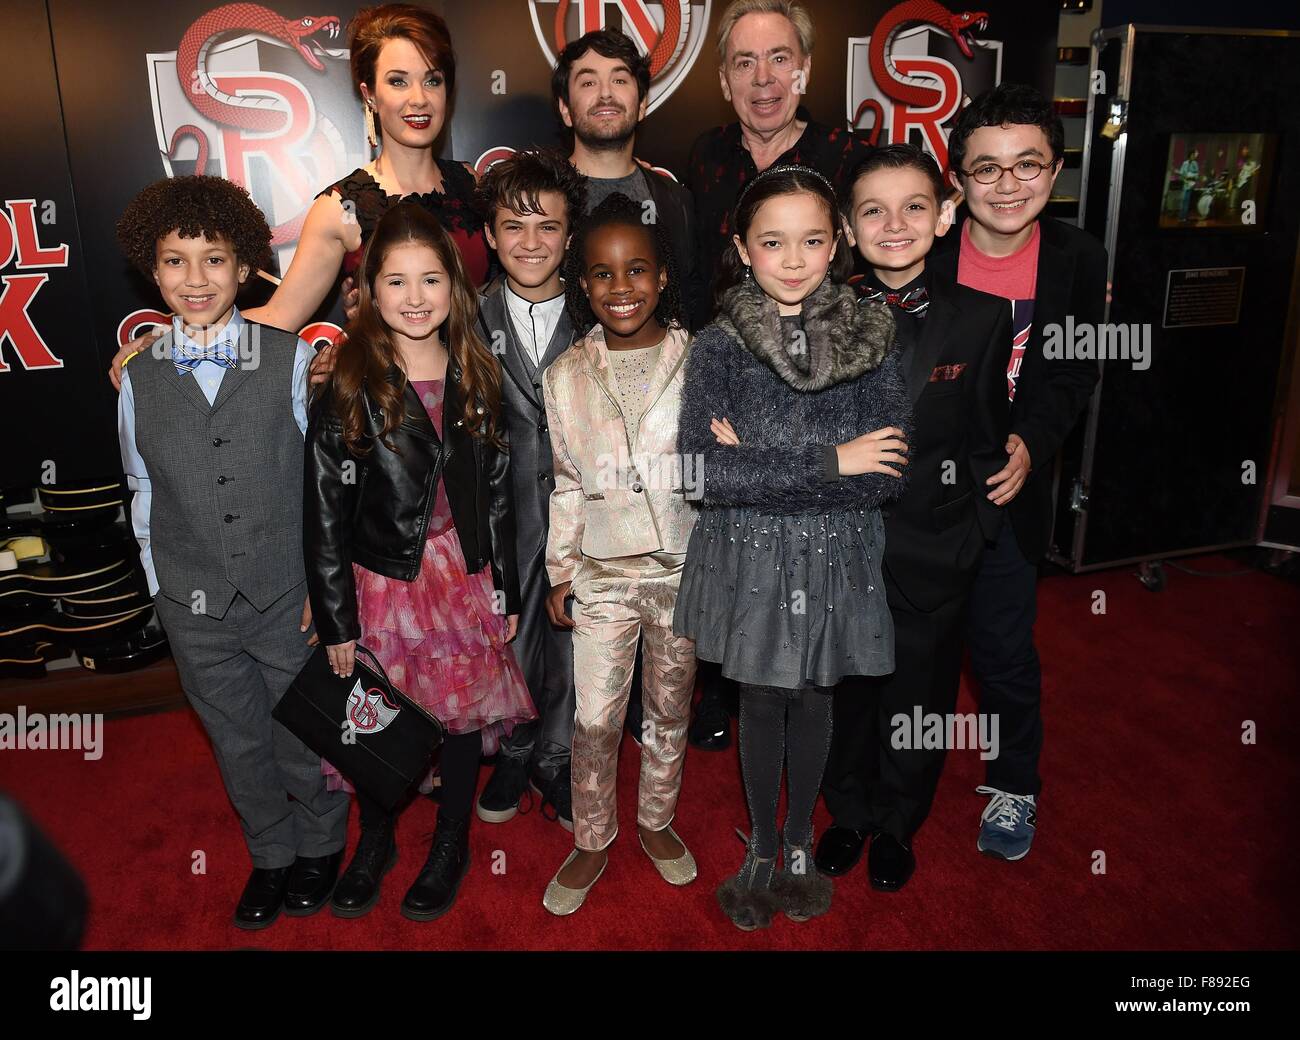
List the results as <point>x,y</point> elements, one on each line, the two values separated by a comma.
<point>1014,278</point>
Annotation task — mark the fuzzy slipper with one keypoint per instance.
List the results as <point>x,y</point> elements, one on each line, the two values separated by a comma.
<point>747,898</point>
<point>747,908</point>
<point>802,892</point>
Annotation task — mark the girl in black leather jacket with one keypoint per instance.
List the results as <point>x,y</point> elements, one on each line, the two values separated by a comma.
<point>409,532</point>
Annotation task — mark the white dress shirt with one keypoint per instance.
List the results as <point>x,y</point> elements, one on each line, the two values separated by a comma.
<point>534,322</point>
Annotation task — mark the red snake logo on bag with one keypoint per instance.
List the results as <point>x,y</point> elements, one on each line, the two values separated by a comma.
<point>370,711</point>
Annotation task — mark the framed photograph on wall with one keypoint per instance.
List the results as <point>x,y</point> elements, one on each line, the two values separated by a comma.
<point>1218,181</point>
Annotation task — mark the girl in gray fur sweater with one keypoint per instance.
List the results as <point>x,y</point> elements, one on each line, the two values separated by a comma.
<point>795,413</point>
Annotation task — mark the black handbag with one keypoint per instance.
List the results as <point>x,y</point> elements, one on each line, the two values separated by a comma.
<point>372,733</point>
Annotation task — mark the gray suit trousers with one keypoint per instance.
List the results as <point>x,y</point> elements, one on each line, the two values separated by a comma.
<point>545,656</point>
<point>233,671</point>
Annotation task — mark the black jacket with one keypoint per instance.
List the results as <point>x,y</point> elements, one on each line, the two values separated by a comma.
<point>674,206</point>
<point>1051,395</point>
<point>376,511</point>
<point>956,375</point>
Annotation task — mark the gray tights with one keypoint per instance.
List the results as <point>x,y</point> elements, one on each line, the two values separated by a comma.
<point>780,726</point>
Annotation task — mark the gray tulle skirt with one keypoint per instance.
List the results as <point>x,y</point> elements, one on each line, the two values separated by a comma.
<point>787,601</point>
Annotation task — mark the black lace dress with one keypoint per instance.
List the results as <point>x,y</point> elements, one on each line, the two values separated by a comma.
<point>454,207</point>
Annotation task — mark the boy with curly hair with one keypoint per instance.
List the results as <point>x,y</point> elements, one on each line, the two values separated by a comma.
<point>211,422</point>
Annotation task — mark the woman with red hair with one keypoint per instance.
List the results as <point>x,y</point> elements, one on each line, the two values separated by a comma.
<point>404,71</point>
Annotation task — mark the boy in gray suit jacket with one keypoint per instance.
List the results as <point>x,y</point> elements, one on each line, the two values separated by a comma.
<point>531,201</point>
<point>211,421</point>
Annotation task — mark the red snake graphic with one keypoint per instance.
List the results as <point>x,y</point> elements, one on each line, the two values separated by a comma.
<point>887,76</point>
<point>666,47</point>
<point>248,113</point>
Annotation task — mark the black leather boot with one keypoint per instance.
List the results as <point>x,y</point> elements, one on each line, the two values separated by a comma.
<point>557,796</point>
<point>358,889</point>
<point>311,880</point>
<point>434,891</point>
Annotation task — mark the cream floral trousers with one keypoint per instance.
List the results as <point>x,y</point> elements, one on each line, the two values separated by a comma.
<point>615,603</point>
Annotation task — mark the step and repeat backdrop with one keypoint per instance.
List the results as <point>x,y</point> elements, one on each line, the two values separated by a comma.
<point>104,96</point>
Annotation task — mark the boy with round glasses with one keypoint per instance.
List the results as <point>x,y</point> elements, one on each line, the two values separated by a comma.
<point>1005,154</point>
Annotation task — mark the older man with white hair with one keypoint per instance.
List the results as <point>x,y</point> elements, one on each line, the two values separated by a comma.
<point>764,64</point>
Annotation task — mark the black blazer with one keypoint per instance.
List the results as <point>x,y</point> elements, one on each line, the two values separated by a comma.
<point>934,534</point>
<point>1050,395</point>
<point>379,517</point>
<point>675,207</point>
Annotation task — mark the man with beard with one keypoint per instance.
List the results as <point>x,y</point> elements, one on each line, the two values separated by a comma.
<point>601,87</point>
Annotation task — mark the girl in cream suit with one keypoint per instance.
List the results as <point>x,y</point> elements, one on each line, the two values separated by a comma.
<point>620,522</point>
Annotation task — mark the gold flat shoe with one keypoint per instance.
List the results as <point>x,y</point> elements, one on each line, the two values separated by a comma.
<point>679,871</point>
<point>562,901</point>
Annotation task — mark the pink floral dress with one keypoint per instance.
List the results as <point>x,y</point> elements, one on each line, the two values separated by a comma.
<point>438,637</point>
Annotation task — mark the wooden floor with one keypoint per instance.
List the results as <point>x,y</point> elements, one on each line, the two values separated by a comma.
<point>153,688</point>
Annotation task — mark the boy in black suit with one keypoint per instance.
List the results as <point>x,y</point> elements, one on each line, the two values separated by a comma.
<point>880,778</point>
<point>1005,153</point>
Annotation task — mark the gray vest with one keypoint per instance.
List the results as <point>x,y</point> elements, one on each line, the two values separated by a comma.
<point>226,513</point>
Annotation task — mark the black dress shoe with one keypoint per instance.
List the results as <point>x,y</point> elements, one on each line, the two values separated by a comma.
<point>711,729</point>
<point>839,850</point>
<point>311,880</point>
<point>434,891</point>
<point>263,898</point>
<point>358,889</point>
<point>889,863</point>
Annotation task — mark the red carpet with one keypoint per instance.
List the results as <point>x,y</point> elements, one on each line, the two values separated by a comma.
<point>1143,762</point>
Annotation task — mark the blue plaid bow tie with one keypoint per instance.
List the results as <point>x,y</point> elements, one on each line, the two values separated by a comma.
<point>915,301</point>
<point>186,358</point>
